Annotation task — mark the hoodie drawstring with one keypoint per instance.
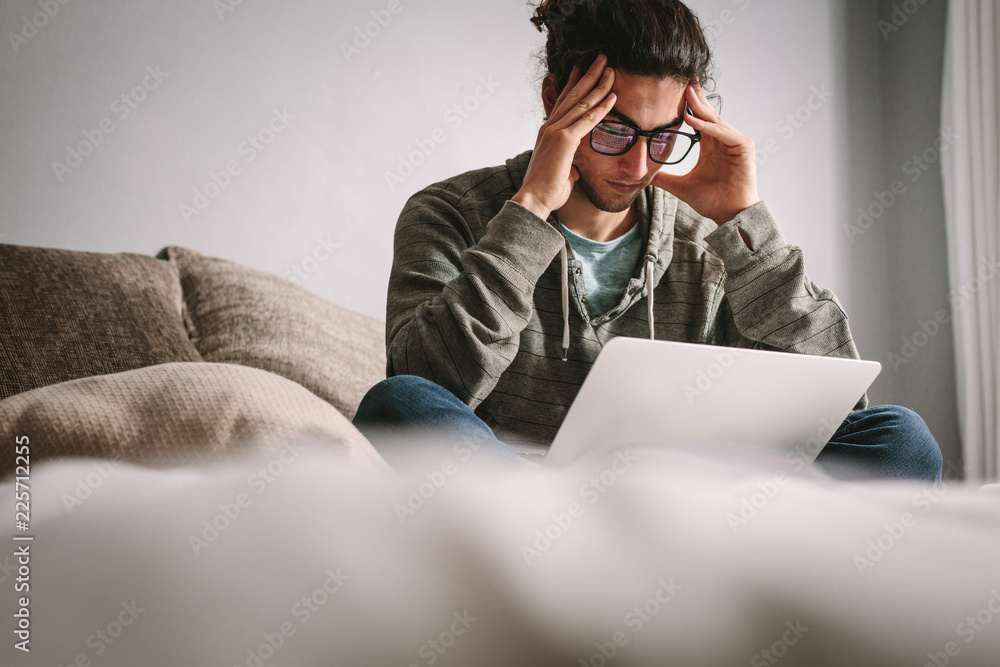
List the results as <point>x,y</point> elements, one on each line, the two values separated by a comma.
<point>565,299</point>
<point>649,294</point>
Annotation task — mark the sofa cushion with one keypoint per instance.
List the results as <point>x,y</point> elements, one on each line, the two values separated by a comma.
<point>173,414</point>
<point>66,315</point>
<point>240,315</point>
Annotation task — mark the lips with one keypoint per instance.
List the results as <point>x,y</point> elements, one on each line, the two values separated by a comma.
<point>624,188</point>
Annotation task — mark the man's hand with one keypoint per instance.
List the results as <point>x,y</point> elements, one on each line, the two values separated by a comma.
<point>583,103</point>
<point>724,182</point>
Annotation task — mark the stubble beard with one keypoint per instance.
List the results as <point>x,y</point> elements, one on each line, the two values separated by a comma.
<point>612,204</point>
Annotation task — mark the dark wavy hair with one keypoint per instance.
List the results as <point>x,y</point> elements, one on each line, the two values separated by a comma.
<point>660,38</point>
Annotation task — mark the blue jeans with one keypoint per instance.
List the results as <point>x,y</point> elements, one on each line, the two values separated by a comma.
<point>881,442</point>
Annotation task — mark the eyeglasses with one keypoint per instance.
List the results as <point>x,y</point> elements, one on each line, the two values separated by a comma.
<point>615,137</point>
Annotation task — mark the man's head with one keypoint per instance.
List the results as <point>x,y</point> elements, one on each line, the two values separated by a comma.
<point>656,38</point>
<point>656,48</point>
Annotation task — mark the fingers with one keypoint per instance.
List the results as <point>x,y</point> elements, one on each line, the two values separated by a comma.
<point>574,78</point>
<point>700,105</point>
<point>583,93</point>
<point>722,132</point>
<point>583,103</point>
<point>590,117</point>
<point>706,119</point>
<point>583,116</point>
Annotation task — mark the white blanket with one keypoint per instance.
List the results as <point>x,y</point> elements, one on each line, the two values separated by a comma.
<point>639,557</point>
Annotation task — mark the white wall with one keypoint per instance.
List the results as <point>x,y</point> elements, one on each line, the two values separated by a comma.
<point>319,188</point>
<point>322,177</point>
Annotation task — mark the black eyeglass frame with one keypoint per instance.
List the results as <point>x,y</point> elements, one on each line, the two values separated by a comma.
<point>695,138</point>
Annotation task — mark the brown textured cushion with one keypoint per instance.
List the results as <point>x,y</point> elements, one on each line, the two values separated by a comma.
<point>179,413</point>
<point>239,315</point>
<point>67,315</point>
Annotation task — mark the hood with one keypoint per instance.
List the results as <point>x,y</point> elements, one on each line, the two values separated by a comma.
<point>657,210</point>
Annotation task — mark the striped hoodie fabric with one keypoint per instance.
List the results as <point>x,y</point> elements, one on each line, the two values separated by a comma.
<point>485,298</point>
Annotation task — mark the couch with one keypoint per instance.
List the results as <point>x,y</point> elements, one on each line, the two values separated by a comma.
<point>173,359</point>
<point>192,492</point>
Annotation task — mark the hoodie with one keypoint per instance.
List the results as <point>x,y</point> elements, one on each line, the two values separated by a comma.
<point>487,300</point>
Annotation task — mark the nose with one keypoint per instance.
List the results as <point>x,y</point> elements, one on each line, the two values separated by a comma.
<point>635,161</point>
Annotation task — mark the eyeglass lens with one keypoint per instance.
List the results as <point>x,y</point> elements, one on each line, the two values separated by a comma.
<point>612,138</point>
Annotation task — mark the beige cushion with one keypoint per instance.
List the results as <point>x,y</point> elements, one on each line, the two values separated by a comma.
<point>239,315</point>
<point>66,315</point>
<point>173,414</point>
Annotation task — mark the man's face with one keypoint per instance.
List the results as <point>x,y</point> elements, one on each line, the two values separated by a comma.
<point>611,183</point>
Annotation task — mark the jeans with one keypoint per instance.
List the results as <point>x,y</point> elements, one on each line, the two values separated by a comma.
<point>881,442</point>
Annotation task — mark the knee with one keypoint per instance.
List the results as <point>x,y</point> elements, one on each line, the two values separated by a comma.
<point>916,448</point>
<point>904,421</point>
<point>391,390</point>
<point>399,398</point>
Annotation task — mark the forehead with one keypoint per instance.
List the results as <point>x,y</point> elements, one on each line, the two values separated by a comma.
<point>649,101</point>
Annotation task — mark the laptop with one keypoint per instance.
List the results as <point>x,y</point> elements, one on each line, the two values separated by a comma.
<point>642,391</point>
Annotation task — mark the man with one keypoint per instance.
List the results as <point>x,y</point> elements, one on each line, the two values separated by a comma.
<point>507,281</point>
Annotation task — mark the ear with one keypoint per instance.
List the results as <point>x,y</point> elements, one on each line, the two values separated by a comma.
<point>549,93</point>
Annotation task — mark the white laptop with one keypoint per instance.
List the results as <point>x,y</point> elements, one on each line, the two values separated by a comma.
<point>643,391</point>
